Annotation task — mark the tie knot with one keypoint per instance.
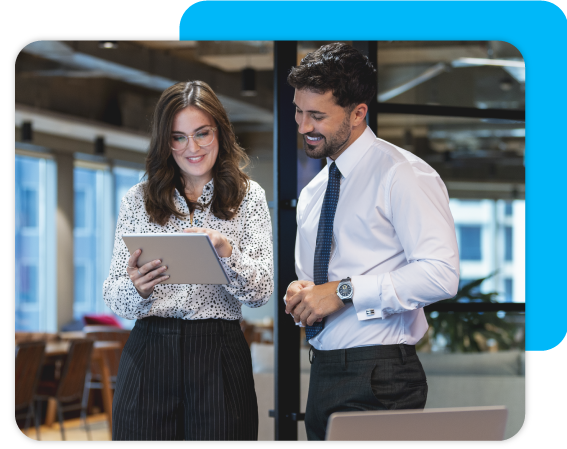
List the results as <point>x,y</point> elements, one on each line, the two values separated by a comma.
<point>334,171</point>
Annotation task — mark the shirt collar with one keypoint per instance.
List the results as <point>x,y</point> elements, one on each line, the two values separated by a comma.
<point>353,154</point>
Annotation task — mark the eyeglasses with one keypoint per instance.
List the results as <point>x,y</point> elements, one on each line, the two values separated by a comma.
<point>204,137</point>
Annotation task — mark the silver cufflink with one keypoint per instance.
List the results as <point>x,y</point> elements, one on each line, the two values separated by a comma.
<point>369,312</point>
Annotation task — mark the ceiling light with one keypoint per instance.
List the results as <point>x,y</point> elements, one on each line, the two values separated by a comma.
<point>27,133</point>
<point>99,146</point>
<point>248,82</point>
<point>108,44</point>
<point>467,62</point>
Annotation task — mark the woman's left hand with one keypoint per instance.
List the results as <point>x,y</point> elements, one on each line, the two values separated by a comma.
<point>219,241</point>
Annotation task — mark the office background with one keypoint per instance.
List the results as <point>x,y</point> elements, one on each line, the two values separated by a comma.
<point>82,116</point>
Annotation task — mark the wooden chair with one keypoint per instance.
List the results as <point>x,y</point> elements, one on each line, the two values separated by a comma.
<point>94,378</point>
<point>248,331</point>
<point>70,387</point>
<point>107,333</point>
<point>22,337</point>
<point>29,360</point>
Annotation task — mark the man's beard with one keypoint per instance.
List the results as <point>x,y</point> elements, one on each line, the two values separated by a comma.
<point>328,148</point>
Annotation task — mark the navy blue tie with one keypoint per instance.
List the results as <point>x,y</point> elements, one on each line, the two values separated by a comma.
<point>324,239</point>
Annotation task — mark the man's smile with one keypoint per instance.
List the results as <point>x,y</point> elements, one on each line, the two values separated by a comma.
<point>313,140</point>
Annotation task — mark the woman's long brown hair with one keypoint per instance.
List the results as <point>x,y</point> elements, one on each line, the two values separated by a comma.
<point>162,172</point>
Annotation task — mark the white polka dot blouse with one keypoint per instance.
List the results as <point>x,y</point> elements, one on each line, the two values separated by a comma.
<point>250,267</point>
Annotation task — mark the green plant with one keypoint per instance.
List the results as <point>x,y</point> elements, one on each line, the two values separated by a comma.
<point>475,331</point>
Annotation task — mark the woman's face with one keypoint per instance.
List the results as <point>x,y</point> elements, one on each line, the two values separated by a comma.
<point>195,162</point>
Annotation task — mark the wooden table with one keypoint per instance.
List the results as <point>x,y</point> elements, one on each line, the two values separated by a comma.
<point>99,356</point>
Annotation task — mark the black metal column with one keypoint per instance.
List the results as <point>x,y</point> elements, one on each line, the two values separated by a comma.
<point>370,49</point>
<point>286,333</point>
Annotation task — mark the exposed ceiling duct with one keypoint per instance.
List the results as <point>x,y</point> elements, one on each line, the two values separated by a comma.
<point>516,69</point>
<point>238,111</point>
<point>425,76</point>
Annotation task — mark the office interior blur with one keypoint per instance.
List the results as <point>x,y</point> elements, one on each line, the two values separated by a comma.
<point>82,119</point>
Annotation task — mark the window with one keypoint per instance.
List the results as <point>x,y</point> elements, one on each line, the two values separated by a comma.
<point>80,208</point>
<point>81,284</point>
<point>124,180</point>
<point>28,277</point>
<point>508,243</point>
<point>470,242</point>
<point>98,192</point>
<point>508,290</point>
<point>508,208</point>
<point>35,263</point>
<point>91,254</point>
<point>30,207</point>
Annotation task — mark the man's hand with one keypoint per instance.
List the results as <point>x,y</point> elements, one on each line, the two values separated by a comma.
<point>295,287</point>
<point>313,302</point>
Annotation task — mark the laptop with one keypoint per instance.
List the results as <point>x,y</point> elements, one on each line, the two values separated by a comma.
<point>434,424</point>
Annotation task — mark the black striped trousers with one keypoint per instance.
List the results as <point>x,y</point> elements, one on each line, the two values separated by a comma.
<point>185,380</point>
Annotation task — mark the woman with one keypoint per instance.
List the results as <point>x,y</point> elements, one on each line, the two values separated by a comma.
<point>186,371</point>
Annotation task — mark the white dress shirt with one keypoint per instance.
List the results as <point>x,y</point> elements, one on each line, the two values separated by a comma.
<point>249,267</point>
<point>393,235</point>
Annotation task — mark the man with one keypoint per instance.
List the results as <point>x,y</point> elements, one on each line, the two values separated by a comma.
<point>375,244</point>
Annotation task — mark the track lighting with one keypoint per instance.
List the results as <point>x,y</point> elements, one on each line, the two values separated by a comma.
<point>99,146</point>
<point>108,44</point>
<point>27,132</point>
<point>248,82</point>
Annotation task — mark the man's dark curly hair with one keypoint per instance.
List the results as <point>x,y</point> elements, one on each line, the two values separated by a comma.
<point>339,68</point>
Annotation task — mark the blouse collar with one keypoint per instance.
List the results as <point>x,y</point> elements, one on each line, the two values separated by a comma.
<point>205,197</point>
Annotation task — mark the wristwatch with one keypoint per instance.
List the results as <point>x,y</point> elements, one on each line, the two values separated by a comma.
<point>345,291</point>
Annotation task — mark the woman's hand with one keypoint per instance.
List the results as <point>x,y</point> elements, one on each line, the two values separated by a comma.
<point>146,277</point>
<point>219,241</point>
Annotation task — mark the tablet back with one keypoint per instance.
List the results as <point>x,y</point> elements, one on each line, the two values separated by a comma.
<point>190,258</point>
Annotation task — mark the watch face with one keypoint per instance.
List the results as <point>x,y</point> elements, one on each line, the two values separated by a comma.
<point>345,290</point>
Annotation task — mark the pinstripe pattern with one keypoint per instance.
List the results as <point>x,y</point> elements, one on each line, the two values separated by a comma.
<point>185,380</point>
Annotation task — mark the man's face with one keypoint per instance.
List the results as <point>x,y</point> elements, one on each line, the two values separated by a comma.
<point>326,126</point>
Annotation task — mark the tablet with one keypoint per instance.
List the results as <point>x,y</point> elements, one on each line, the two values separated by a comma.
<point>190,258</point>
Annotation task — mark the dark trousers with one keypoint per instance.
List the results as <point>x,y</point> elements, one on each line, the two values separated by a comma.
<point>185,380</point>
<point>388,377</point>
